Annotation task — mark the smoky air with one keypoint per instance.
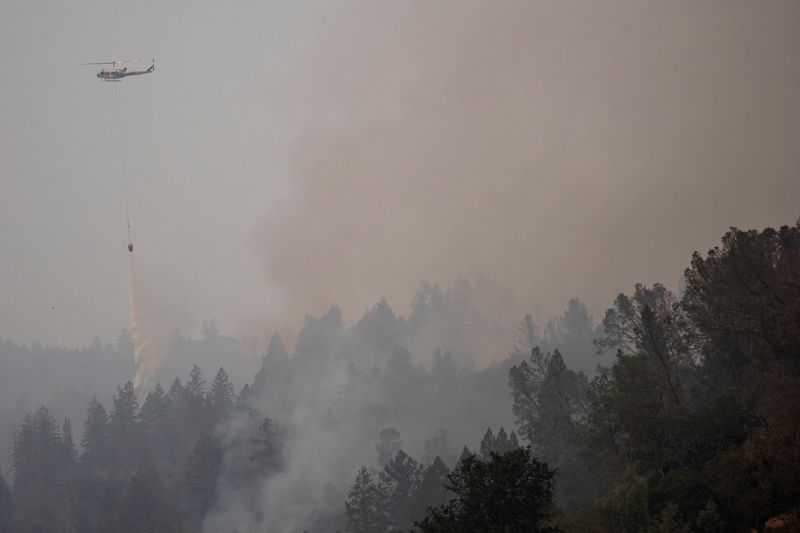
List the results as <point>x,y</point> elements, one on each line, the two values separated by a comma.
<point>379,267</point>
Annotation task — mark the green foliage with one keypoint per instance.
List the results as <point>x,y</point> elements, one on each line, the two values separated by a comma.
<point>627,508</point>
<point>511,492</point>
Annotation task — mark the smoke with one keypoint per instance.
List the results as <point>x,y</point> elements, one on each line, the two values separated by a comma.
<point>147,357</point>
<point>516,140</point>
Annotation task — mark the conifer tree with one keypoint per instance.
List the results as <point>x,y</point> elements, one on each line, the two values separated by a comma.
<point>268,452</point>
<point>125,413</point>
<point>364,505</point>
<point>200,477</point>
<point>154,410</point>
<point>197,417</point>
<point>96,440</point>
<point>145,506</point>
<point>389,444</point>
<point>511,492</point>
<point>67,512</point>
<point>6,505</point>
<point>222,397</point>
<point>70,453</point>
<point>487,443</point>
<point>126,437</point>
<point>37,460</point>
<point>432,492</point>
<point>176,397</point>
<point>196,386</point>
<point>501,443</point>
<point>399,483</point>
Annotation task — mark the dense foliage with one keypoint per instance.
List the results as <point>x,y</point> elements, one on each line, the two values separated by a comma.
<point>693,426</point>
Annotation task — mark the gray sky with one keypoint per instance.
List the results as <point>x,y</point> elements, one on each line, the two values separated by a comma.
<point>287,156</point>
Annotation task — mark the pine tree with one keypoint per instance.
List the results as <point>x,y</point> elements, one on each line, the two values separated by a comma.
<point>200,478</point>
<point>126,407</point>
<point>510,492</point>
<point>501,444</point>
<point>439,446</point>
<point>67,513</point>
<point>96,440</point>
<point>175,435</point>
<point>126,437</point>
<point>154,410</point>
<point>37,460</point>
<point>145,506</point>
<point>268,453</point>
<point>465,454</point>
<point>399,482</point>
<point>487,443</point>
<point>222,397</point>
<point>432,492</point>
<point>197,416</point>
<point>176,397</point>
<point>388,445</point>
<point>70,454</point>
<point>196,386</point>
<point>364,505</point>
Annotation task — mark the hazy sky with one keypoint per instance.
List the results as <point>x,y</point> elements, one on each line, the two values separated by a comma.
<point>286,156</point>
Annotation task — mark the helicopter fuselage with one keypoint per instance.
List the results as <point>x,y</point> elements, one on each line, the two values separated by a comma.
<point>117,73</point>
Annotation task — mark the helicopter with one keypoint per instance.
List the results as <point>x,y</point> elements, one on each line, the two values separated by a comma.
<point>116,73</point>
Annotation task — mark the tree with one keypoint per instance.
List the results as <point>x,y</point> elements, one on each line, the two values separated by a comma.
<point>548,400</point>
<point>96,440</point>
<point>511,492</point>
<point>432,492</point>
<point>439,446</point>
<point>6,506</point>
<point>268,452</point>
<point>200,478</point>
<point>126,437</point>
<point>400,480</point>
<point>154,410</point>
<point>196,386</point>
<point>125,413</point>
<point>573,334</point>
<point>652,323</point>
<point>528,338</point>
<point>67,442</point>
<point>37,460</point>
<point>389,444</point>
<point>743,300</point>
<point>487,443</point>
<point>145,506</point>
<point>196,415</point>
<point>364,505</point>
<point>222,398</point>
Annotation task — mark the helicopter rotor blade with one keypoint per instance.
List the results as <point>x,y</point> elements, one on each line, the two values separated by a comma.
<point>129,60</point>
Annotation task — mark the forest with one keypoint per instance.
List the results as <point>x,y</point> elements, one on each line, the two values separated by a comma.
<point>677,411</point>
